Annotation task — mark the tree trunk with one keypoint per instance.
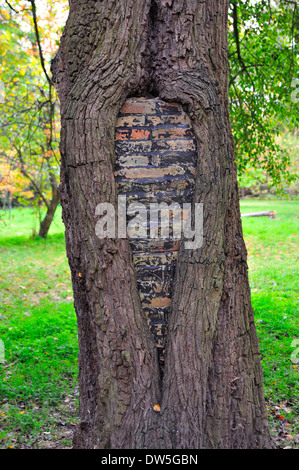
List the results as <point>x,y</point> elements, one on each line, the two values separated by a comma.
<point>211,393</point>
<point>51,209</point>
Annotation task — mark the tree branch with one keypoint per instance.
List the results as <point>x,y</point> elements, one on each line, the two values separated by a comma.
<point>41,56</point>
<point>244,69</point>
<point>11,7</point>
<point>27,175</point>
<point>237,39</point>
<point>236,33</point>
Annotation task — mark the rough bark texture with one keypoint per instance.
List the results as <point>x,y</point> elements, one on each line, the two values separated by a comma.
<point>211,395</point>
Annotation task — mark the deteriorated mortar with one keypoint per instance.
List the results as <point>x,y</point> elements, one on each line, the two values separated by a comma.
<point>155,162</point>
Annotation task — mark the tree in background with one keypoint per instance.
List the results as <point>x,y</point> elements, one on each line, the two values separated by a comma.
<point>263,59</point>
<point>29,119</point>
<point>13,184</point>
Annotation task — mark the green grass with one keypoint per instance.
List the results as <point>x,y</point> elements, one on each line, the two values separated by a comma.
<point>272,246</point>
<point>39,390</point>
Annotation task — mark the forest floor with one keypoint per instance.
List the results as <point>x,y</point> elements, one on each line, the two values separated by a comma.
<point>38,332</point>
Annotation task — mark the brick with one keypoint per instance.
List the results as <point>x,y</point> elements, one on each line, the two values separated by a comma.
<point>139,134</point>
<point>156,259</point>
<point>133,147</point>
<point>134,134</point>
<point>170,144</point>
<point>133,161</point>
<point>162,273</point>
<point>154,245</point>
<point>158,314</point>
<point>168,197</point>
<point>141,173</point>
<point>171,133</point>
<point>123,134</point>
<point>155,287</point>
<point>160,302</point>
<point>156,157</point>
<point>130,121</point>
<point>168,108</point>
<point>167,119</point>
<point>138,107</point>
<point>174,158</point>
<point>155,189</point>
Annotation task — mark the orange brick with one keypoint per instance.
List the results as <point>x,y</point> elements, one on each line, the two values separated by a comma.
<point>169,108</point>
<point>160,302</point>
<point>139,134</point>
<point>134,134</point>
<point>138,107</point>
<point>122,135</point>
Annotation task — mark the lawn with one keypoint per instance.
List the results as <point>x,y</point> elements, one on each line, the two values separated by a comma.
<point>39,389</point>
<point>272,246</point>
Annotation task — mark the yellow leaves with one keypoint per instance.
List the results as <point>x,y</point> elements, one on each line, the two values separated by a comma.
<point>49,153</point>
<point>5,14</point>
<point>12,180</point>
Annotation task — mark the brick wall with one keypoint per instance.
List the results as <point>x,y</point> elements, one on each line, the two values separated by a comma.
<point>155,162</point>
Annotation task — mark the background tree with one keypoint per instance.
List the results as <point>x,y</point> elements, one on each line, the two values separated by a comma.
<point>211,395</point>
<point>29,118</point>
<point>263,62</point>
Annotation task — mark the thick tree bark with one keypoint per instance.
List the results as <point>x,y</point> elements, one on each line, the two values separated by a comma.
<point>211,395</point>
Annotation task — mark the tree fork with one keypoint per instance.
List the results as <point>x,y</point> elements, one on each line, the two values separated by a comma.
<point>211,395</point>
